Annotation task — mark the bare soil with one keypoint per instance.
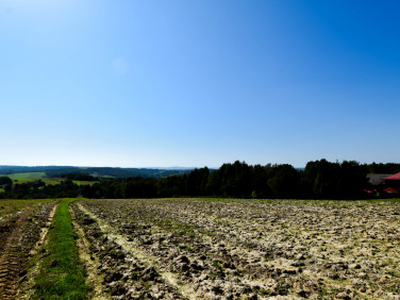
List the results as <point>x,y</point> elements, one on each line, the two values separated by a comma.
<point>237,249</point>
<point>217,249</point>
<point>18,237</point>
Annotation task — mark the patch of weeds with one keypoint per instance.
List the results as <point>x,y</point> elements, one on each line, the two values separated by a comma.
<point>135,276</point>
<point>265,292</point>
<point>147,285</point>
<point>282,291</point>
<point>116,254</point>
<point>220,270</point>
<point>189,249</point>
<point>283,226</point>
<point>217,264</point>
<point>395,289</point>
<point>323,293</point>
<point>269,256</point>
<point>246,290</point>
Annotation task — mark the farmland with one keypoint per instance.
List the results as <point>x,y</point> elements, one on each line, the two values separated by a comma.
<point>215,249</point>
<point>31,177</point>
<point>34,176</point>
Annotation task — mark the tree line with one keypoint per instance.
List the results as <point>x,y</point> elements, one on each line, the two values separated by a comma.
<point>58,171</point>
<point>320,179</point>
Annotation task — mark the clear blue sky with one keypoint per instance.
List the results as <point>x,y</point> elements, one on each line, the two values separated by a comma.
<point>198,83</point>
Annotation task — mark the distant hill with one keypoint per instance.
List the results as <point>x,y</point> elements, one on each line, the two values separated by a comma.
<point>101,172</point>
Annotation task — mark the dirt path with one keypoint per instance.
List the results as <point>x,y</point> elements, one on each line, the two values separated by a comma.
<point>21,237</point>
<point>44,231</point>
<point>91,261</point>
<point>26,287</point>
<point>11,263</point>
<point>6,228</point>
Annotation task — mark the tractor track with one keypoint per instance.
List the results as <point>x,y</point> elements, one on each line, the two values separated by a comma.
<point>20,237</point>
<point>166,285</point>
<point>11,263</point>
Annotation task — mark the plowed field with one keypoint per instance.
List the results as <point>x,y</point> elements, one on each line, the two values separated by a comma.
<point>231,249</point>
<point>216,249</point>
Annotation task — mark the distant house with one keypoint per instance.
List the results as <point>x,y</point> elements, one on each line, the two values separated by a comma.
<point>387,185</point>
<point>392,184</point>
<point>393,179</point>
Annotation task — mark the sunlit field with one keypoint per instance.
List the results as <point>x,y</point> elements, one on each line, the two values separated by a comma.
<point>202,248</point>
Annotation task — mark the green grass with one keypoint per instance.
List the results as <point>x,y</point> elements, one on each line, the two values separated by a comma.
<point>34,176</point>
<point>31,176</point>
<point>62,275</point>
<point>79,182</point>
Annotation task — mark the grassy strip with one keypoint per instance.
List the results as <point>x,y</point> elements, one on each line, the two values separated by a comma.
<point>27,175</point>
<point>32,176</point>
<point>80,182</point>
<point>62,275</point>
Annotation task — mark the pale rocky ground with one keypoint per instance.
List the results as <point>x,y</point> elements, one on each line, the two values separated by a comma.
<point>244,249</point>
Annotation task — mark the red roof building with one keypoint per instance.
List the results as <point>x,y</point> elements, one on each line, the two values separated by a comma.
<point>393,177</point>
<point>391,190</point>
<point>392,184</point>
